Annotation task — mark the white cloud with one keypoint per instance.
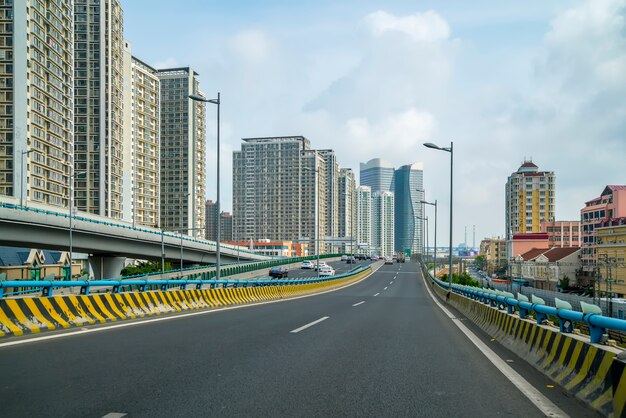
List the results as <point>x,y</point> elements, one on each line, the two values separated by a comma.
<point>420,27</point>
<point>395,137</point>
<point>169,62</point>
<point>251,46</point>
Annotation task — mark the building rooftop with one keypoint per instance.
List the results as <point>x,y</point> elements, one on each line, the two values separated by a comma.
<point>530,236</point>
<point>376,163</point>
<point>532,254</point>
<point>556,254</point>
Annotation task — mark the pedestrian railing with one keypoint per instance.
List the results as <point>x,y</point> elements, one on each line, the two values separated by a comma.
<point>525,307</point>
<point>198,280</point>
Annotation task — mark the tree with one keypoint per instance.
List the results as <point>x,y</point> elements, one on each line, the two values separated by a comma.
<point>564,283</point>
<point>480,262</point>
<point>141,268</point>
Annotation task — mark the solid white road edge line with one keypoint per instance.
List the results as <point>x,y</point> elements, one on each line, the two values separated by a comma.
<point>360,303</point>
<point>310,324</point>
<point>167,318</point>
<point>545,405</point>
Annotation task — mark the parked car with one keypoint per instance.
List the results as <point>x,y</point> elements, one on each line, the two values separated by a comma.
<point>327,271</point>
<point>307,265</point>
<point>279,272</point>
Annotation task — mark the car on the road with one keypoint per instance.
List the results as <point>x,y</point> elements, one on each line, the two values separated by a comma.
<point>307,265</point>
<point>327,271</point>
<point>279,272</point>
<point>388,260</point>
<point>321,265</point>
<point>344,257</point>
<point>351,260</point>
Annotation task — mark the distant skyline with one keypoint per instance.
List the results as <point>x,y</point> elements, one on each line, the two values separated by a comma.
<point>507,81</point>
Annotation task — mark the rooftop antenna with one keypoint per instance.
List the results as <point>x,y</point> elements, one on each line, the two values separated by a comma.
<point>474,237</point>
<point>465,239</point>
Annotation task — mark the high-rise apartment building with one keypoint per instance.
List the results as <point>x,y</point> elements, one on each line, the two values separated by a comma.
<point>142,142</point>
<point>347,206</point>
<point>210,221</point>
<point>331,197</point>
<point>383,223</point>
<point>36,100</point>
<point>530,199</point>
<point>408,193</point>
<point>277,185</point>
<point>363,226</point>
<point>183,137</point>
<point>98,106</point>
<point>377,174</point>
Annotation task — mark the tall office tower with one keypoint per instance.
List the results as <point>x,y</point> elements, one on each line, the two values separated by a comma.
<point>98,107</point>
<point>36,100</point>
<point>142,142</point>
<point>383,223</point>
<point>530,197</point>
<point>331,198</point>
<point>409,212</point>
<point>378,174</point>
<point>363,226</point>
<point>347,206</point>
<point>183,137</point>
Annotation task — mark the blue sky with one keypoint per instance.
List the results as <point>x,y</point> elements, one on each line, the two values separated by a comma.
<point>505,80</point>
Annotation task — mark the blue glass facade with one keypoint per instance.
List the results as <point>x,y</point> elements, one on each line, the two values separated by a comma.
<point>409,192</point>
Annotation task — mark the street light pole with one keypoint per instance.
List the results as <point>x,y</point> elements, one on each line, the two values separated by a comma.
<point>451,151</point>
<point>317,213</point>
<point>435,244</point>
<point>217,102</point>
<point>22,179</point>
<point>71,205</point>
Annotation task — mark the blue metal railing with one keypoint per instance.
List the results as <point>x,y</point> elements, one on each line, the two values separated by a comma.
<point>47,286</point>
<point>598,324</point>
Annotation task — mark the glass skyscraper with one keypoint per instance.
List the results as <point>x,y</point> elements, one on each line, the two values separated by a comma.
<point>409,192</point>
<point>377,174</point>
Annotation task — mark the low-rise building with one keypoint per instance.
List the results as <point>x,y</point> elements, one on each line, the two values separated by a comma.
<point>610,246</point>
<point>545,268</point>
<point>494,250</point>
<point>274,248</point>
<point>522,243</point>
<point>33,264</point>
<point>562,233</point>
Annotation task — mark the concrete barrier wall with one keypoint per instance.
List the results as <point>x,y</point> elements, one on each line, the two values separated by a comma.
<point>591,372</point>
<point>36,314</point>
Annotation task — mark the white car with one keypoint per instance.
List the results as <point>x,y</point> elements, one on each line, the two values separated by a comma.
<point>344,257</point>
<point>327,271</point>
<point>307,265</point>
<point>322,265</point>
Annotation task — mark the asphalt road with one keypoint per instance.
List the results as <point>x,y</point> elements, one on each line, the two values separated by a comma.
<point>384,350</point>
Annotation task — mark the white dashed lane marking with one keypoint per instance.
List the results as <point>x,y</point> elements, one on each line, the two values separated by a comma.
<point>310,324</point>
<point>377,294</point>
<point>357,304</point>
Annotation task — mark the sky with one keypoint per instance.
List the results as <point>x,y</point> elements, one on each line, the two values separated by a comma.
<point>507,81</point>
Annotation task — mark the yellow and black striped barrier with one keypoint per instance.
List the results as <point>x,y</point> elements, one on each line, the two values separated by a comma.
<point>591,372</point>
<point>21,316</point>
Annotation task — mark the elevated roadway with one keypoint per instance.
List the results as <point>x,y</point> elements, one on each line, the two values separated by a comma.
<point>107,241</point>
<point>381,347</point>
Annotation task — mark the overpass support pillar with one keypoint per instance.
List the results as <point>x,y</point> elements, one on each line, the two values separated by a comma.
<point>104,267</point>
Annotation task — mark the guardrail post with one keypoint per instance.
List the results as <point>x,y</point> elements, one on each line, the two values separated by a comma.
<point>115,288</point>
<point>596,333</point>
<point>84,290</point>
<point>46,291</point>
<point>540,315</point>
